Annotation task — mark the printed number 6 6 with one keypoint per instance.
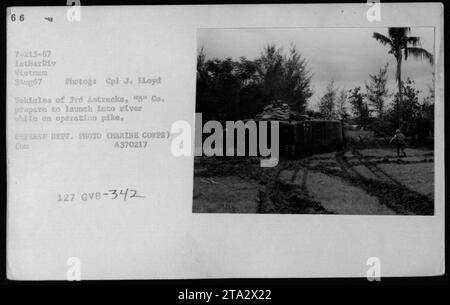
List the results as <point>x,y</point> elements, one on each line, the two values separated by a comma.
<point>21,17</point>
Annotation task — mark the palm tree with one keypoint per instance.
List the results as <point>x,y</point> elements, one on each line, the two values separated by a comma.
<point>401,45</point>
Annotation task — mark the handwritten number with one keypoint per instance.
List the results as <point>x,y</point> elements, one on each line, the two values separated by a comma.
<point>114,193</point>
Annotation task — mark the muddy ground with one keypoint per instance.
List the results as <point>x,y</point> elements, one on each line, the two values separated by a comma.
<point>355,181</point>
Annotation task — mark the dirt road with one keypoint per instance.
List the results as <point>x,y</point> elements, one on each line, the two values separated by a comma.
<point>362,182</point>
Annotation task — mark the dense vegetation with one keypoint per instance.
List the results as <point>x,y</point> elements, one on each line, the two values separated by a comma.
<point>230,89</point>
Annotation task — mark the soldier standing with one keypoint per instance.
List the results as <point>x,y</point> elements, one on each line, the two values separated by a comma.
<point>399,139</point>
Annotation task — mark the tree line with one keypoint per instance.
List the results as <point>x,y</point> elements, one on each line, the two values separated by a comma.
<point>230,89</point>
<point>367,107</point>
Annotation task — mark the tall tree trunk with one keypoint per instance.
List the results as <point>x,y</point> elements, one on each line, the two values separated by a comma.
<point>400,93</point>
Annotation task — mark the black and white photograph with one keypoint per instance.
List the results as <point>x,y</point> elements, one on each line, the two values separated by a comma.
<point>355,108</point>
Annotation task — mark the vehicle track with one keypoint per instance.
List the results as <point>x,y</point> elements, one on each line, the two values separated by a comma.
<point>390,192</point>
<point>378,172</point>
<point>290,198</point>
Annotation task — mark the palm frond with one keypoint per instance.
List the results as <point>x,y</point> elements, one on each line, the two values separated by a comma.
<point>382,39</point>
<point>414,41</point>
<point>420,53</point>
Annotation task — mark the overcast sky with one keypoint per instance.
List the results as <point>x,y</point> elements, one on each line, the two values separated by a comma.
<point>345,55</point>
